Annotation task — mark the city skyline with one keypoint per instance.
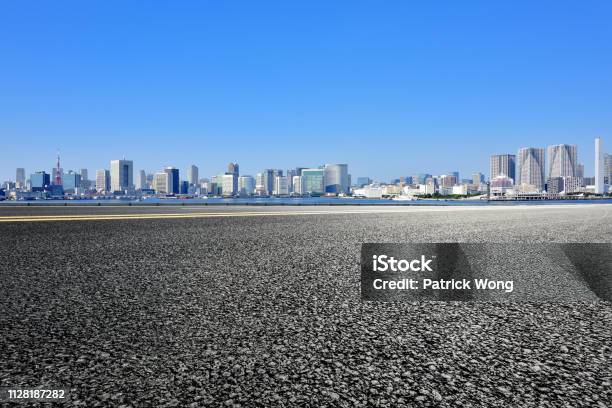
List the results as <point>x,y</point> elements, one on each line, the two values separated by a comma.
<point>503,167</point>
<point>391,89</point>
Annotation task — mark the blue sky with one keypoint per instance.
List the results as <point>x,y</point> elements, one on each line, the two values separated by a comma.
<point>391,88</point>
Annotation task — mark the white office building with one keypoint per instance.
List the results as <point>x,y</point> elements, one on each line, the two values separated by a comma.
<point>161,182</point>
<point>246,185</point>
<point>281,186</point>
<point>297,185</point>
<point>122,175</point>
<point>102,181</point>
<point>229,184</point>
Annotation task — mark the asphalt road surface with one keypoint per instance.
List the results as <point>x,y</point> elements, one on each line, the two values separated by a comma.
<point>239,306</point>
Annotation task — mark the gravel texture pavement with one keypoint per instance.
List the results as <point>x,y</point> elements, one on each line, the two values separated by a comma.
<point>266,311</point>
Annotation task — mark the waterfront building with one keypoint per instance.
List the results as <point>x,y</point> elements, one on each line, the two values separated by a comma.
<point>336,178</point>
<point>562,160</point>
<point>297,185</point>
<point>71,181</point>
<point>313,181</point>
<point>40,181</point>
<point>607,168</point>
<point>228,183</point>
<point>85,182</point>
<point>121,175</point>
<point>141,180</point>
<point>281,187</point>
<point>599,166</point>
<point>290,173</point>
<point>501,184</point>
<point>193,174</point>
<point>554,185</point>
<point>573,184</point>
<point>172,182</point>
<point>160,182</point>
<point>233,168</point>
<point>184,187</point>
<point>103,184</point>
<point>502,165</point>
<point>260,184</point>
<point>268,180</point>
<point>531,169</point>
<point>246,185</point>
<point>20,178</point>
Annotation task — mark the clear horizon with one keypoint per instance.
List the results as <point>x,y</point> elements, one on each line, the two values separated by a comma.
<point>390,89</point>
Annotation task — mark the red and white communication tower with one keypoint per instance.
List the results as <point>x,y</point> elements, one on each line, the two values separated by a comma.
<point>58,172</point>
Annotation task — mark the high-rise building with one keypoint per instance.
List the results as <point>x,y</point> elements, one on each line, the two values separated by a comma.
<point>122,175</point>
<point>172,182</point>
<point>297,185</point>
<point>192,174</point>
<point>20,177</point>
<point>85,183</point>
<point>228,183</point>
<point>246,185</point>
<point>281,186</point>
<point>580,169</point>
<point>40,181</point>
<point>599,166</point>
<point>141,180</point>
<point>607,168</point>
<point>160,182</point>
<point>336,178</point>
<point>184,187</point>
<point>313,181</point>
<point>562,160</point>
<point>290,173</point>
<point>103,183</point>
<point>260,184</point>
<point>233,168</point>
<point>503,165</point>
<point>531,169</point>
<point>268,179</point>
<point>71,181</point>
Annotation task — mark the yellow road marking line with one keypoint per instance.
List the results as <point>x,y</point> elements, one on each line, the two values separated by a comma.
<point>93,217</point>
<point>383,210</point>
